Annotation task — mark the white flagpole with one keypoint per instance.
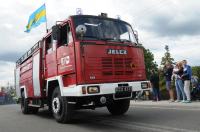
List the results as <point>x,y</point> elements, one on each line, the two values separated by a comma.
<point>46,17</point>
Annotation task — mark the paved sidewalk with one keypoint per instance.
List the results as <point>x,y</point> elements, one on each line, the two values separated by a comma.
<point>194,104</point>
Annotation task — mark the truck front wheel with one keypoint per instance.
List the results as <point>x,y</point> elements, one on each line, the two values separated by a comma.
<point>24,104</point>
<point>119,107</point>
<point>62,111</point>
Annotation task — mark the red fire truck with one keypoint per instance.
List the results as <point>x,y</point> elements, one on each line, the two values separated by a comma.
<point>2,97</point>
<point>83,62</point>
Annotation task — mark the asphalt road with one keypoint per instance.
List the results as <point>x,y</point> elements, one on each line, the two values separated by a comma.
<point>139,118</point>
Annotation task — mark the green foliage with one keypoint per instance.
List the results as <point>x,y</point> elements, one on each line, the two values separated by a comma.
<point>149,62</point>
<point>167,56</point>
<point>196,71</point>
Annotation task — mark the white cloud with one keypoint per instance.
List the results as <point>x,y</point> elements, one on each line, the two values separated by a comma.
<point>159,22</point>
<point>6,73</point>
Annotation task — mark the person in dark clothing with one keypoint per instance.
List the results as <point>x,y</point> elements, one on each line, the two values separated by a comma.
<point>154,80</point>
<point>168,69</point>
<point>195,93</point>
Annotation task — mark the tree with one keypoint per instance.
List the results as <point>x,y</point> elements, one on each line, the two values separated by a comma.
<point>167,56</point>
<point>149,62</point>
<point>196,71</point>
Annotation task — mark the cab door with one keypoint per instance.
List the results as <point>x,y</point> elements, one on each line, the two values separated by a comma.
<point>65,52</point>
<point>50,58</point>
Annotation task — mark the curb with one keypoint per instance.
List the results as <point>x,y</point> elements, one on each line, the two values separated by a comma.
<point>193,104</point>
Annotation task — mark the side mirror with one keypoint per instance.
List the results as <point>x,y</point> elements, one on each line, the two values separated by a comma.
<point>136,36</point>
<point>81,30</point>
<point>56,33</point>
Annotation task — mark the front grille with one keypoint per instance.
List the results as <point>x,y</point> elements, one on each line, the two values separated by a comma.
<point>107,73</point>
<point>116,66</point>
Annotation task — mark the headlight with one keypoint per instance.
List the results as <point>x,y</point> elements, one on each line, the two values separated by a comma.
<point>93,89</point>
<point>144,85</point>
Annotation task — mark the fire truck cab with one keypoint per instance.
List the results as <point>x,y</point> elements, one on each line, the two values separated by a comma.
<point>83,62</point>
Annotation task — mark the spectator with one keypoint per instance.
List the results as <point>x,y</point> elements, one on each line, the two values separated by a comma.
<point>194,81</point>
<point>174,78</point>
<point>187,74</point>
<point>195,88</point>
<point>168,69</point>
<point>179,82</point>
<point>154,79</point>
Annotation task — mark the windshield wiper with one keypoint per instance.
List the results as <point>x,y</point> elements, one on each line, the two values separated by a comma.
<point>109,39</point>
<point>124,40</point>
<point>115,40</point>
<point>88,36</point>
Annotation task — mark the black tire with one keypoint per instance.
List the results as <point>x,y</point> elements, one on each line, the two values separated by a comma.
<point>50,106</point>
<point>62,111</point>
<point>119,107</point>
<point>34,110</point>
<point>24,104</point>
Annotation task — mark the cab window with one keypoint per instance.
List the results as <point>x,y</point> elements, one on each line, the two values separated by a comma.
<point>49,47</point>
<point>66,35</point>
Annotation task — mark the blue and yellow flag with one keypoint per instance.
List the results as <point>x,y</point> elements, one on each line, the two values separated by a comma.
<point>36,18</point>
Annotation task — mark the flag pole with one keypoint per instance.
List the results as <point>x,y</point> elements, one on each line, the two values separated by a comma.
<point>46,25</point>
<point>46,18</point>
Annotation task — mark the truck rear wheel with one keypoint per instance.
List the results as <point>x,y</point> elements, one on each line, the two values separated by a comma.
<point>34,110</point>
<point>119,107</point>
<point>24,104</point>
<point>62,111</point>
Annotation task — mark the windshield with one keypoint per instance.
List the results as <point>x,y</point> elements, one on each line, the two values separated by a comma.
<point>105,29</point>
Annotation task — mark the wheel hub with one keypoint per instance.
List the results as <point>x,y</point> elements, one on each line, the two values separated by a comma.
<point>56,105</point>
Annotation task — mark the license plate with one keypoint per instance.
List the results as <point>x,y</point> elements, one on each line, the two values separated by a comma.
<point>123,89</point>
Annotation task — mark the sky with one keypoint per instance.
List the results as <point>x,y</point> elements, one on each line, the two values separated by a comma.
<point>159,22</point>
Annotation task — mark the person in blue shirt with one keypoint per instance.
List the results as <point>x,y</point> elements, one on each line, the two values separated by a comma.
<point>187,74</point>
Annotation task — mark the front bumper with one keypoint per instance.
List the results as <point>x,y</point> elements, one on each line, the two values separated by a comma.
<point>105,88</point>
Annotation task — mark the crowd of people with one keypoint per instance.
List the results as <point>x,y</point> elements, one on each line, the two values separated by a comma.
<point>181,75</point>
